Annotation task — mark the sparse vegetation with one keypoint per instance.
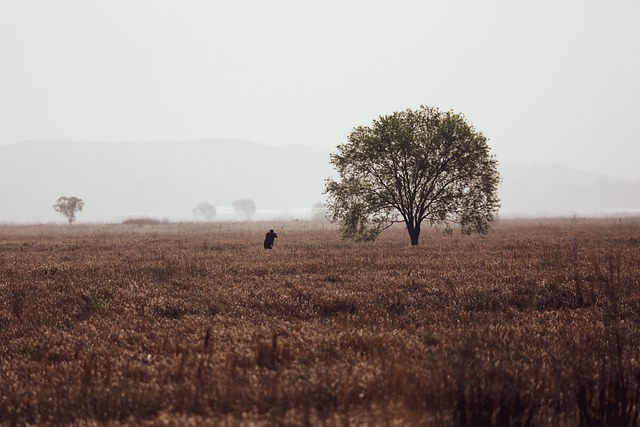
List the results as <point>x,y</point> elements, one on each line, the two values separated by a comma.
<point>68,207</point>
<point>318,212</point>
<point>206,211</point>
<point>145,221</point>
<point>535,324</point>
<point>244,207</point>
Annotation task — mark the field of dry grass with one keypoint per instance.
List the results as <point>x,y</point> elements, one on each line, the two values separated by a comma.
<point>535,324</point>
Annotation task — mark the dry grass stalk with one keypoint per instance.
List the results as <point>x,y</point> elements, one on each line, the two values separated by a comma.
<point>194,324</point>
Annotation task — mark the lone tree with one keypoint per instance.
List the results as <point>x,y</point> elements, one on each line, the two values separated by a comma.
<point>205,210</point>
<point>244,207</point>
<point>68,206</point>
<point>413,166</point>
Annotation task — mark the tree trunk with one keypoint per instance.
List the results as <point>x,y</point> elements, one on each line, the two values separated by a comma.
<point>414,233</point>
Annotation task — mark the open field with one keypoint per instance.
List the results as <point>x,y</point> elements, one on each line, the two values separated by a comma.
<point>535,324</point>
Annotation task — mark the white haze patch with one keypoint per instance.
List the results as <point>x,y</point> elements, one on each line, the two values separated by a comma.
<point>167,180</point>
<point>547,81</point>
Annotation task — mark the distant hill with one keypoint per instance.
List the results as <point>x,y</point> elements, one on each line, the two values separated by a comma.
<point>552,190</point>
<point>168,179</point>
<point>160,179</point>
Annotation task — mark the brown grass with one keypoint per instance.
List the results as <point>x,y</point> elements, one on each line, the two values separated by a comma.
<point>536,324</point>
<point>141,221</point>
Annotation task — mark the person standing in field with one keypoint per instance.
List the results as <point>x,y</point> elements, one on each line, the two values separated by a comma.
<point>269,239</point>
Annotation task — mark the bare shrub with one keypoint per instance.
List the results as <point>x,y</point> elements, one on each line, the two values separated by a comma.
<point>144,221</point>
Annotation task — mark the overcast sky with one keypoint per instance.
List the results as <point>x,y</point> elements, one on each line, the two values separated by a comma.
<point>546,81</point>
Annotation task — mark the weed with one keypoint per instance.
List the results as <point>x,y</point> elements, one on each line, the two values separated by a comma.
<point>534,324</point>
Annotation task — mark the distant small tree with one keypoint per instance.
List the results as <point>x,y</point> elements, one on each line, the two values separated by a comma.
<point>318,212</point>
<point>205,210</point>
<point>244,207</point>
<point>68,206</point>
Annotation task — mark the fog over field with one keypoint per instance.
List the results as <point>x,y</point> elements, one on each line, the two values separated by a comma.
<point>168,179</point>
<point>254,96</point>
<point>160,180</point>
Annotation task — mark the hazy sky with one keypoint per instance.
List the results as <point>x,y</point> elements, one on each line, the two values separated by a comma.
<point>547,81</point>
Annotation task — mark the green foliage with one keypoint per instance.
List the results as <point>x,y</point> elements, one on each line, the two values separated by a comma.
<point>68,206</point>
<point>413,166</point>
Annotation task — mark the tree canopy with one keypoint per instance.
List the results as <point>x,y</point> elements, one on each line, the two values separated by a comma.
<point>205,210</point>
<point>413,166</point>
<point>68,206</point>
<point>244,207</point>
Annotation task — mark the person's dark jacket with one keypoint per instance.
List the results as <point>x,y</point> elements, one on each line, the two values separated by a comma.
<point>269,239</point>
